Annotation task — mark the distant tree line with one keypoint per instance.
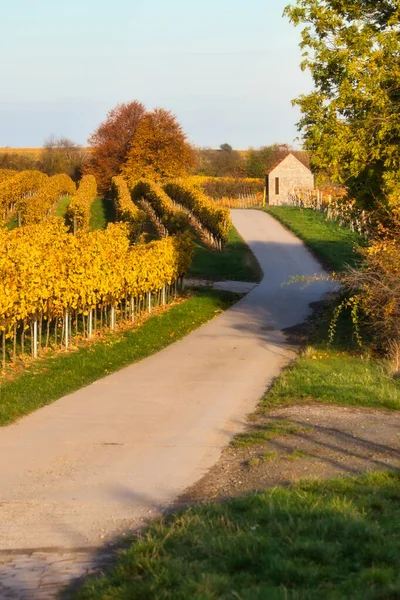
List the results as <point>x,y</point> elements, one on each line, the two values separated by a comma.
<point>254,162</point>
<point>139,143</point>
<point>58,155</point>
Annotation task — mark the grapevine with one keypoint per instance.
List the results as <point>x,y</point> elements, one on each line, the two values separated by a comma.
<point>49,278</point>
<point>17,188</point>
<point>36,208</point>
<point>125,208</point>
<point>215,219</point>
<point>168,214</point>
<point>6,174</point>
<point>77,216</point>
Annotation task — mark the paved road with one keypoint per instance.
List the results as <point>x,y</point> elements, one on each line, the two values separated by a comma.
<point>97,462</point>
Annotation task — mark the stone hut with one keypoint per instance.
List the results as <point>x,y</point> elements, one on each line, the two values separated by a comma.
<point>284,177</point>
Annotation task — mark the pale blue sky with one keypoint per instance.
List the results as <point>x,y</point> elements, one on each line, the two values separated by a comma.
<point>227,68</point>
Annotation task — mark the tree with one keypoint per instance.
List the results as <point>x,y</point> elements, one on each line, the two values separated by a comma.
<point>112,141</point>
<point>62,156</point>
<point>224,162</point>
<point>227,162</point>
<point>255,165</point>
<point>226,148</point>
<point>351,121</point>
<point>159,149</point>
<point>259,161</point>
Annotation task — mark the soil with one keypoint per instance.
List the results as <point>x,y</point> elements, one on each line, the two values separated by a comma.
<point>328,441</point>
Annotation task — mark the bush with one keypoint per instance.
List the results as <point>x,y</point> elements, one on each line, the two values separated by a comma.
<point>376,287</point>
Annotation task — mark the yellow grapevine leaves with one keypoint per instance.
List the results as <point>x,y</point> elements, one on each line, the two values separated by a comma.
<point>78,211</point>
<point>6,174</point>
<point>174,219</point>
<point>17,188</point>
<point>214,218</point>
<point>44,270</point>
<point>35,209</point>
<point>126,210</point>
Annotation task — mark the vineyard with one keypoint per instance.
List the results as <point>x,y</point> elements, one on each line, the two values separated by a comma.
<point>61,281</point>
<point>16,188</point>
<point>55,284</point>
<point>230,192</point>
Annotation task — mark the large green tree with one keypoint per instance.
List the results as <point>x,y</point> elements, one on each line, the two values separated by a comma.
<point>351,121</point>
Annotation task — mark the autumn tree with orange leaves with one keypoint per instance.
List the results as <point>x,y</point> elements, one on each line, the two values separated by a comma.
<point>112,141</point>
<point>159,150</point>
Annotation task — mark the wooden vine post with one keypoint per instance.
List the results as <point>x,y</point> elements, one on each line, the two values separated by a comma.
<point>132,307</point>
<point>163,295</point>
<point>35,339</point>
<point>66,328</point>
<point>90,325</point>
<point>4,350</point>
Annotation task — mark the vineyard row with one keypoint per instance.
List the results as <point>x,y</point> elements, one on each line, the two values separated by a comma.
<point>50,278</point>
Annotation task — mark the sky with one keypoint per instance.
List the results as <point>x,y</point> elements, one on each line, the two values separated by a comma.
<point>228,69</point>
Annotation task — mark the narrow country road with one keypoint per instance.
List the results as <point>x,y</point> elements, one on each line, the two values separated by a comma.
<point>97,462</point>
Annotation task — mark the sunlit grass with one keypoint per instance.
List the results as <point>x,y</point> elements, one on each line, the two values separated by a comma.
<point>334,539</point>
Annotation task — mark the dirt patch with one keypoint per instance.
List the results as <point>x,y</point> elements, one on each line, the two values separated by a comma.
<point>324,442</point>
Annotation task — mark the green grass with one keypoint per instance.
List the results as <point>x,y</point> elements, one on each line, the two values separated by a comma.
<point>53,377</point>
<point>295,455</point>
<point>12,223</point>
<point>336,539</point>
<point>335,378</point>
<point>264,458</point>
<point>102,213</point>
<point>62,206</point>
<point>259,434</point>
<point>236,262</point>
<point>332,244</point>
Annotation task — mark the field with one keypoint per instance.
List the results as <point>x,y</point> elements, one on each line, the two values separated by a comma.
<point>35,152</point>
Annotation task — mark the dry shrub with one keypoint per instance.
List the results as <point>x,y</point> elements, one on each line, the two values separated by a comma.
<point>376,287</point>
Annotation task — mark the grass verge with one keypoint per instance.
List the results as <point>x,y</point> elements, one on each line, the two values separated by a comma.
<point>236,262</point>
<point>53,377</point>
<point>333,245</point>
<point>102,213</point>
<point>328,376</point>
<point>334,539</point>
<point>337,373</point>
